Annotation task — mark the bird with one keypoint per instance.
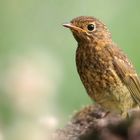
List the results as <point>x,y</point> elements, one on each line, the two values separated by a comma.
<point>107,74</point>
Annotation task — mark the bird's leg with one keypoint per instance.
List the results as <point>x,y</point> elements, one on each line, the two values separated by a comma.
<point>135,112</point>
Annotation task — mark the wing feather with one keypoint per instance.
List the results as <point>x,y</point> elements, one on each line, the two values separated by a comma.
<point>129,77</point>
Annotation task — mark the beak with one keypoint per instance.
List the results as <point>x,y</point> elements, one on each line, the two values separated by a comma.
<point>72,27</point>
<point>68,25</point>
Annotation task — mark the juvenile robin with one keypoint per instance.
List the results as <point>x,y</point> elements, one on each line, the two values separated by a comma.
<point>105,71</point>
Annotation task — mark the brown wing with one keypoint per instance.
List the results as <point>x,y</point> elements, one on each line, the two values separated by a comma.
<point>126,72</point>
<point>128,75</point>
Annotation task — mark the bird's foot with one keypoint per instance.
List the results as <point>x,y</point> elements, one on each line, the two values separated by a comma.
<point>135,112</point>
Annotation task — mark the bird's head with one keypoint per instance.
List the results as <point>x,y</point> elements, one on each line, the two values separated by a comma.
<point>87,29</point>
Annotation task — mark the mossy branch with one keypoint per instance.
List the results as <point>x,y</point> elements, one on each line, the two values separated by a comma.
<point>88,124</point>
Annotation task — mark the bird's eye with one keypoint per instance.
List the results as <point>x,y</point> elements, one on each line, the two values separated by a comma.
<point>91,27</point>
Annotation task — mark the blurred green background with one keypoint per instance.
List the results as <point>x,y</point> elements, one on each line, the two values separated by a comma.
<point>39,84</point>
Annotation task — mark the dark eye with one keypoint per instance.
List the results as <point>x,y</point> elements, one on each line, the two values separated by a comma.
<point>91,27</point>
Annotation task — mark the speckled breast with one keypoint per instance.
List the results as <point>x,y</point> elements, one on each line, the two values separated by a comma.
<point>97,73</point>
